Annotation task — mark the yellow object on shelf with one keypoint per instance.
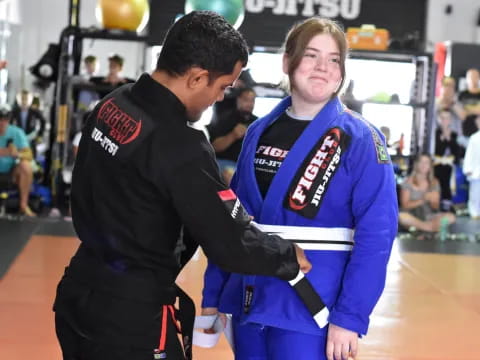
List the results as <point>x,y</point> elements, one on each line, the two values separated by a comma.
<point>368,37</point>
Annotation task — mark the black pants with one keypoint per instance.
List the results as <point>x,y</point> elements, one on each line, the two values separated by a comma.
<point>94,325</point>
<point>443,174</point>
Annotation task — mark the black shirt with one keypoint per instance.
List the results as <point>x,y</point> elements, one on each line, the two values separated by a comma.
<point>224,125</point>
<point>273,147</point>
<point>143,177</point>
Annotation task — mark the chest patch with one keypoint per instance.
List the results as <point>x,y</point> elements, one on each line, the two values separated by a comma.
<point>308,188</point>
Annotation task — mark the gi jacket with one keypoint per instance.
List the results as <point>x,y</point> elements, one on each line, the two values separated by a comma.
<point>143,179</point>
<point>337,177</point>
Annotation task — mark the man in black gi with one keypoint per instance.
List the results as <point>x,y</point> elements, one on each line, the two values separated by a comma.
<point>145,181</point>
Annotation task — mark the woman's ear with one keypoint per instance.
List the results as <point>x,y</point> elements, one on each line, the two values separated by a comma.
<point>285,63</point>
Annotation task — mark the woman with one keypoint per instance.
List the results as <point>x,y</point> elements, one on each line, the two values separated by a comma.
<point>314,171</point>
<point>420,199</point>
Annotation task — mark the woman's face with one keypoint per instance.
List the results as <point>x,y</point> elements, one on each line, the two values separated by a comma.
<point>424,165</point>
<point>318,75</point>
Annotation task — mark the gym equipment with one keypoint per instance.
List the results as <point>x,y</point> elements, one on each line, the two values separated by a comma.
<point>131,15</point>
<point>232,10</point>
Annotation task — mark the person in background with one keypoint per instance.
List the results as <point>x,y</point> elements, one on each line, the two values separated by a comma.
<point>470,100</point>
<point>15,159</point>
<point>448,100</point>
<point>29,119</point>
<point>319,174</point>
<point>471,168</point>
<point>114,78</point>
<point>420,199</point>
<point>227,132</point>
<point>446,156</point>
<point>90,64</point>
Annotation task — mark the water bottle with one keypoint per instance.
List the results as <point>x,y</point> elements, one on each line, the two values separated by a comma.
<point>443,232</point>
<point>3,204</point>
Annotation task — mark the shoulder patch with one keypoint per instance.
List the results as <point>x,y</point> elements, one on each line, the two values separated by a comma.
<point>380,148</point>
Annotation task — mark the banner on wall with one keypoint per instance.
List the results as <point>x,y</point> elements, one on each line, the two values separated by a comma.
<point>266,22</point>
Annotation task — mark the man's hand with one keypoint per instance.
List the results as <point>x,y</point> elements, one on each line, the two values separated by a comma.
<point>305,265</point>
<point>239,131</point>
<point>342,344</point>
<point>12,150</point>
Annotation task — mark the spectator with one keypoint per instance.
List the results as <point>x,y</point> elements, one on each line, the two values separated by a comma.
<point>420,198</point>
<point>227,132</point>
<point>15,159</point>
<point>29,118</point>
<point>470,100</point>
<point>471,168</point>
<point>446,156</point>
<point>91,66</point>
<point>114,77</point>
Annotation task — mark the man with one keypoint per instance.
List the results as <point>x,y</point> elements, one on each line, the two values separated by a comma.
<point>91,65</point>
<point>114,79</point>
<point>15,159</point>
<point>143,179</point>
<point>29,118</point>
<point>227,132</point>
<point>470,100</point>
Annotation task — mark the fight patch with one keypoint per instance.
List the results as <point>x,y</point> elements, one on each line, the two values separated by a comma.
<point>234,206</point>
<point>123,128</point>
<point>306,192</point>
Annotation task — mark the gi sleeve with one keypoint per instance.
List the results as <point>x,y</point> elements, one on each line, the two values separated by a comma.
<point>214,277</point>
<point>218,222</point>
<point>375,211</point>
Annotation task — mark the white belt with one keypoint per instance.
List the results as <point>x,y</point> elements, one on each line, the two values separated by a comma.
<point>312,238</point>
<point>211,322</point>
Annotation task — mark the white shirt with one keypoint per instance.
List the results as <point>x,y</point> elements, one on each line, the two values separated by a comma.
<point>471,163</point>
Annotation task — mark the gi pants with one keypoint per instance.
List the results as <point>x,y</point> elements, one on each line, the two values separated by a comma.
<point>258,342</point>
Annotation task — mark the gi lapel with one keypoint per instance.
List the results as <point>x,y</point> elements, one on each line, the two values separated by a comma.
<point>288,170</point>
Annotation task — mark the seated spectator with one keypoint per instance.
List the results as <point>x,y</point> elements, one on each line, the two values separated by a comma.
<point>113,79</point>
<point>420,199</point>
<point>227,132</point>
<point>15,159</point>
<point>471,168</point>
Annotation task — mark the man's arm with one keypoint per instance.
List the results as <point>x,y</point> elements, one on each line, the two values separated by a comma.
<point>220,225</point>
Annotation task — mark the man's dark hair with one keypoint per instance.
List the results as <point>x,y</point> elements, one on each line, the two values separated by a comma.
<point>204,39</point>
<point>116,59</point>
<point>90,59</point>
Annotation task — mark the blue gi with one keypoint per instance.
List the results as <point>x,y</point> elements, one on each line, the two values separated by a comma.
<point>337,176</point>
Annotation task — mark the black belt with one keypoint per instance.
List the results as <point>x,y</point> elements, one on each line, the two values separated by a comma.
<point>139,286</point>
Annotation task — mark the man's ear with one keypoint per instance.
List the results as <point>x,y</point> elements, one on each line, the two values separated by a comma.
<point>197,78</point>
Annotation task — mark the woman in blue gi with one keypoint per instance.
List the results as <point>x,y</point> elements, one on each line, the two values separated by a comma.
<point>318,174</point>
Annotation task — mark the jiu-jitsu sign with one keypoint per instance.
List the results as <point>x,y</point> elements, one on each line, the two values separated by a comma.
<point>266,22</point>
<point>346,9</point>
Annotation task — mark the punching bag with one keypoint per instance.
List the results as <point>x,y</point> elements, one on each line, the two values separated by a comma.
<point>232,10</point>
<point>131,15</point>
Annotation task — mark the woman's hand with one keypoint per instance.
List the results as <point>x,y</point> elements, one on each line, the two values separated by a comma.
<point>342,344</point>
<point>214,311</point>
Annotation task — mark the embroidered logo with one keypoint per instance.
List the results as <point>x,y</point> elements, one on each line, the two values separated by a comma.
<point>308,188</point>
<point>123,129</point>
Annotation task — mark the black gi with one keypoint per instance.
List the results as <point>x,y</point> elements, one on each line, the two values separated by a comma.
<point>144,179</point>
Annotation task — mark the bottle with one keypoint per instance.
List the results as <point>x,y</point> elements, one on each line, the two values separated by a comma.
<point>443,231</point>
<point>3,204</point>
